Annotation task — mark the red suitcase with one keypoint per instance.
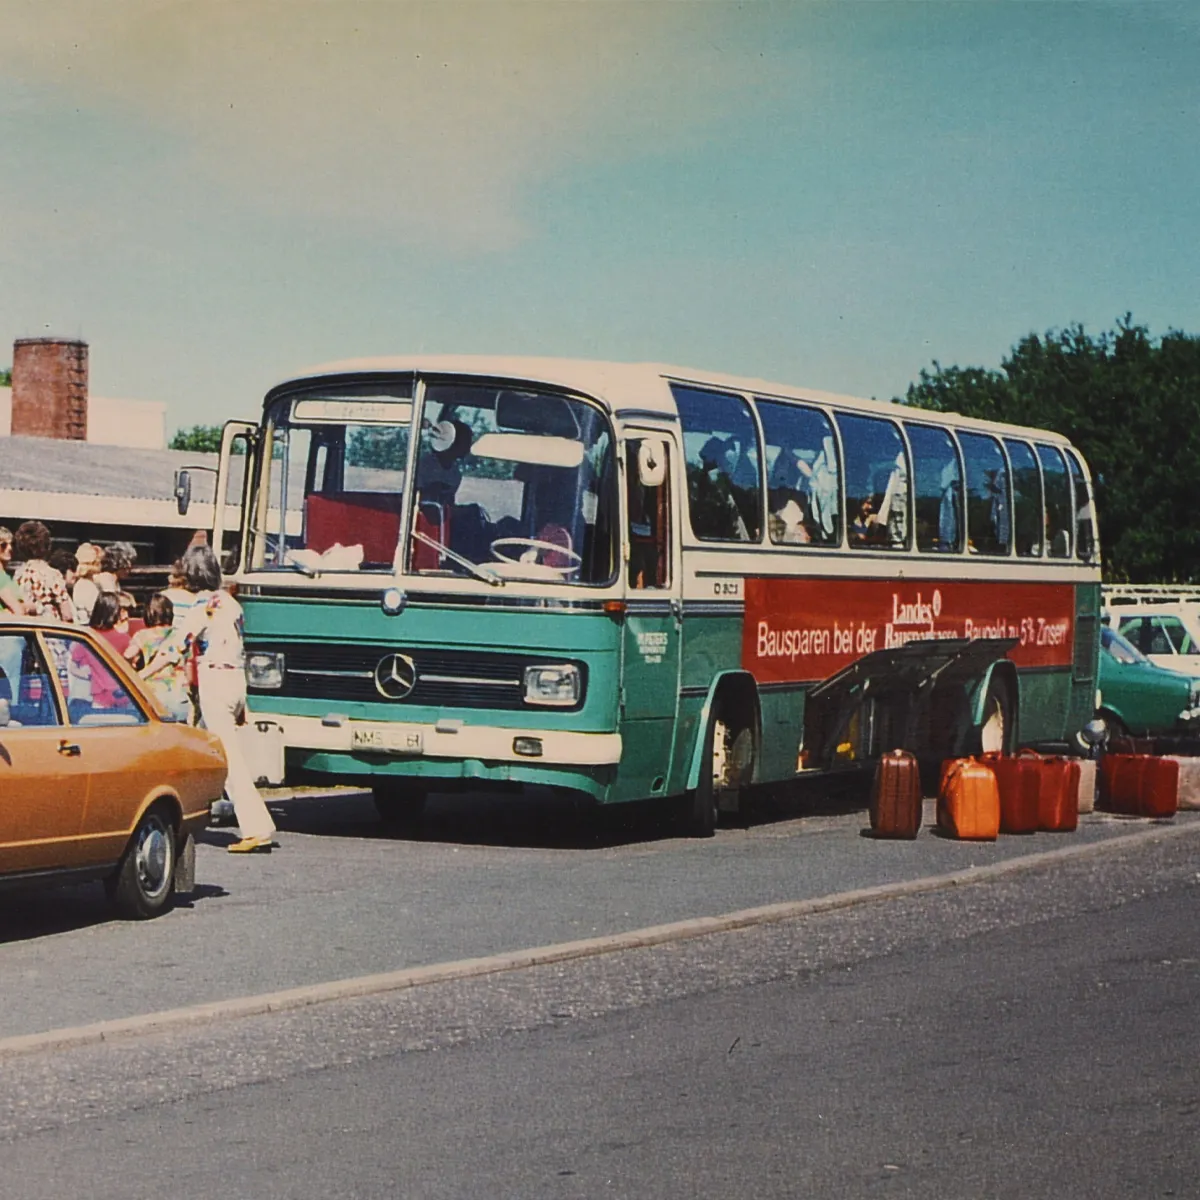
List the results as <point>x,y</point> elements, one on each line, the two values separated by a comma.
<point>1121,783</point>
<point>968,805</point>
<point>896,796</point>
<point>1020,782</point>
<point>1159,795</point>
<point>1058,804</point>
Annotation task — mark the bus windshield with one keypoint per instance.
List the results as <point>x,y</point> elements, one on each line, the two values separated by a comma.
<point>509,484</point>
<point>520,484</point>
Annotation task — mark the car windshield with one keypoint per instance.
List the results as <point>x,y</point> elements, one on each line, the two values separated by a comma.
<point>1121,649</point>
<point>509,483</point>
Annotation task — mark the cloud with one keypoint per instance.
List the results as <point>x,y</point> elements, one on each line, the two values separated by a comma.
<point>429,121</point>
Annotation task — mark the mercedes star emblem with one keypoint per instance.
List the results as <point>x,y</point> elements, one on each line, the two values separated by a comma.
<point>395,676</point>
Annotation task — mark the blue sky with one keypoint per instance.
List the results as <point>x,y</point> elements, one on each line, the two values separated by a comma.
<point>215,195</point>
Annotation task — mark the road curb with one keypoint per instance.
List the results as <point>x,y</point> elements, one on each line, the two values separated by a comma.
<point>516,960</point>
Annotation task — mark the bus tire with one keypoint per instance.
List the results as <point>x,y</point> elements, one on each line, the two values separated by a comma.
<point>727,763</point>
<point>400,803</point>
<point>998,731</point>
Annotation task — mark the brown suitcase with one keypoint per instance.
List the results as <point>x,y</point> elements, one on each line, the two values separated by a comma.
<point>968,805</point>
<point>1121,783</point>
<point>896,796</point>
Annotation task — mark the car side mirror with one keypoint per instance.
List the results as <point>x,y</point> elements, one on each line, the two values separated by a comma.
<point>183,490</point>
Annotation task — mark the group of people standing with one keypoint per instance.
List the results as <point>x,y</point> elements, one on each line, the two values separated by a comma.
<point>188,647</point>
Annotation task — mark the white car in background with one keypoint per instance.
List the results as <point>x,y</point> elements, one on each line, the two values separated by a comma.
<point>1163,623</point>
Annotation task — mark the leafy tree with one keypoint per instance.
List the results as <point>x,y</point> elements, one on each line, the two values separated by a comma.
<point>5,377</point>
<point>201,439</point>
<point>1132,405</point>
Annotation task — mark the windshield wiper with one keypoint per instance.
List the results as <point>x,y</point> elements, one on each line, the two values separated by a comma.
<point>479,572</point>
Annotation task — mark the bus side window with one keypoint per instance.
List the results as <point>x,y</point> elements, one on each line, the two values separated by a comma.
<point>649,522</point>
<point>1085,526</point>
<point>1058,501</point>
<point>937,489</point>
<point>720,443</point>
<point>1027,499</point>
<point>803,502</point>
<point>989,526</point>
<point>876,482</point>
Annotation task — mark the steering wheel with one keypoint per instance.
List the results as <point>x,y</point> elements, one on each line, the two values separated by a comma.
<point>536,544</point>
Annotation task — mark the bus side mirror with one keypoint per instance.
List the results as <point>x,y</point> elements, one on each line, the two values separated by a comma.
<point>652,463</point>
<point>183,490</point>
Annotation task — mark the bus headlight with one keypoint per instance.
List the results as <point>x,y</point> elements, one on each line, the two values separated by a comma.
<point>557,686</point>
<point>264,669</point>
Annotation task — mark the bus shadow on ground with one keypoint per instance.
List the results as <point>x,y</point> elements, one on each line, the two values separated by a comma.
<point>544,819</point>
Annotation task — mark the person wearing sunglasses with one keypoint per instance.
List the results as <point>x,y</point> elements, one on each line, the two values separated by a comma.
<point>10,594</point>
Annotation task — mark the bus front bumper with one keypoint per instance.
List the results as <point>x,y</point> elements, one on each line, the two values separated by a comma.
<point>266,738</point>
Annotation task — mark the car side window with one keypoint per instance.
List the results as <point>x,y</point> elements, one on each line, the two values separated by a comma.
<point>26,684</point>
<point>1168,636</point>
<point>95,695</point>
<point>1174,631</point>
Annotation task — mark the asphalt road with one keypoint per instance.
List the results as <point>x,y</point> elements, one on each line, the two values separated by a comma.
<point>1029,1035</point>
<point>343,898</point>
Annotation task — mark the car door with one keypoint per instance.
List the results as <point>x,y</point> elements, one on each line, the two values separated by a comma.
<point>43,780</point>
<point>116,742</point>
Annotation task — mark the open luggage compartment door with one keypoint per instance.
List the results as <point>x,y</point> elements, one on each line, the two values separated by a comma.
<point>916,696</point>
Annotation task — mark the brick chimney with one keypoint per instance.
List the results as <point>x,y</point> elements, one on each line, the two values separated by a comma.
<point>50,388</point>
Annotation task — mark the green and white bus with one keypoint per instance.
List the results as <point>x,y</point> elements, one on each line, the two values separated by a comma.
<point>635,581</point>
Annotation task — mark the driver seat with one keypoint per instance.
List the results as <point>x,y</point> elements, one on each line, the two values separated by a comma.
<point>557,535</point>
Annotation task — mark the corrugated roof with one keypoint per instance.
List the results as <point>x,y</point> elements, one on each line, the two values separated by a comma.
<point>30,464</point>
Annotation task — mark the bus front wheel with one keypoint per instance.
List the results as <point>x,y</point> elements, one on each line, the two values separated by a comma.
<point>727,758</point>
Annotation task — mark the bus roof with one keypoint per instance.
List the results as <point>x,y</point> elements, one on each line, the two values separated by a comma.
<point>623,386</point>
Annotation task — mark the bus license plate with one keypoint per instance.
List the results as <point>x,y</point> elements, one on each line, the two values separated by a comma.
<point>387,741</point>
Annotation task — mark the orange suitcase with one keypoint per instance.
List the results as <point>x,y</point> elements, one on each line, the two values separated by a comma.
<point>1019,780</point>
<point>896,796</point>
<point>1058,804</point>
<point>968,805</point>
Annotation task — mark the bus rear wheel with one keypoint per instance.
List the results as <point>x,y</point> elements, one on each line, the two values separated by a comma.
<point>998,733</point>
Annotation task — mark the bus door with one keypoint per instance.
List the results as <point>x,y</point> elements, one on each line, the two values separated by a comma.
<point>653,625</point>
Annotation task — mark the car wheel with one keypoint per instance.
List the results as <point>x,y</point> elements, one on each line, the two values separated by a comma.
<point>143,885</point>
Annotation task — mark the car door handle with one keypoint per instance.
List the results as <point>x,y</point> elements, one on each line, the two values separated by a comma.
<point>70,749</point>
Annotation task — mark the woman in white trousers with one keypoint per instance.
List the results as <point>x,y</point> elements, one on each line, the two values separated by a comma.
<point>215,621</point>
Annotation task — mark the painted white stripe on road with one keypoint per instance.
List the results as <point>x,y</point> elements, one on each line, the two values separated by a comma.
<point>517,960</point>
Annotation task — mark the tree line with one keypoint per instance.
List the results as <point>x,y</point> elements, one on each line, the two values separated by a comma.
<point>1131,403</point>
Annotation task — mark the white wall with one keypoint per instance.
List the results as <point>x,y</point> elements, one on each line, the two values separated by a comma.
<point>141,424</point>
<point>138,424</point>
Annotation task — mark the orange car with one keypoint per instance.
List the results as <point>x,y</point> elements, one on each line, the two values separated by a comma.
<point>96,780</point>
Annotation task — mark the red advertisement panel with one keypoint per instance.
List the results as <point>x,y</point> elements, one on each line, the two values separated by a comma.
<point>806,629</point>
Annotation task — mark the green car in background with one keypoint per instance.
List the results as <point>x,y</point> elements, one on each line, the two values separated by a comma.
<point>1140,698</point>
